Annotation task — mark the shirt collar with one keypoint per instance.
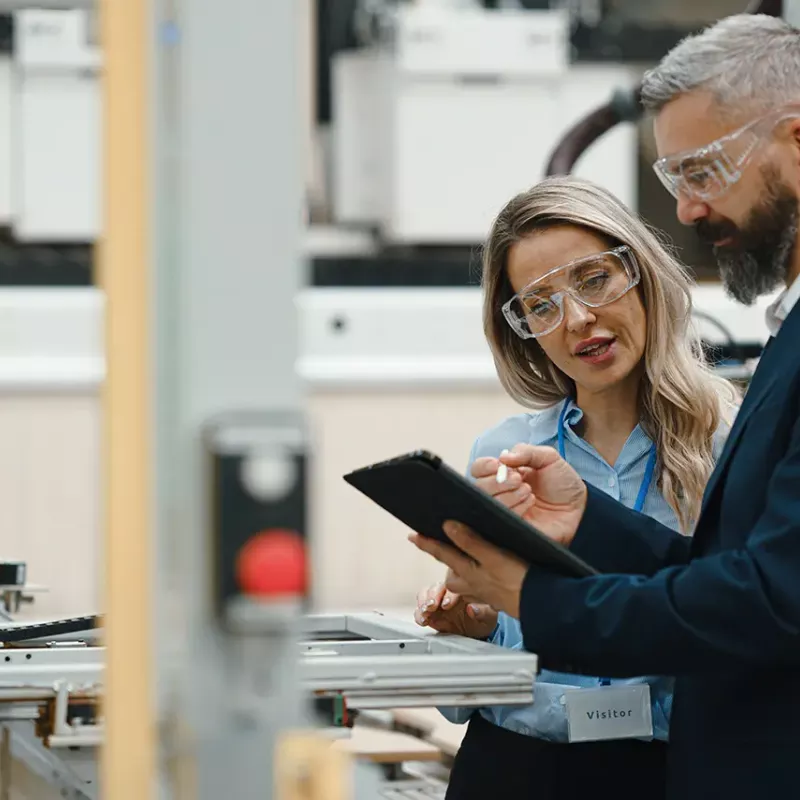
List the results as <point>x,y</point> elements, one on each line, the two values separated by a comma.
<point>574,414</point>
<point>779,310</point>
<point>637,445</point>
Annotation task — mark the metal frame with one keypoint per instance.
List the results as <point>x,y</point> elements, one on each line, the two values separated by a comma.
<point>54,677</point>
<point>377,662</point>
<point>33,677</point>
<point>42,631</point>
<point>72,772</point>
<point>226,174</point>
<point>370,659</point>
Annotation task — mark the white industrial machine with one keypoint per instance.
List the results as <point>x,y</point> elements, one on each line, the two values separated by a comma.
<point>435,127</point>
<point>50,128</point>
<point>433,131</point>
<point>461,108</point>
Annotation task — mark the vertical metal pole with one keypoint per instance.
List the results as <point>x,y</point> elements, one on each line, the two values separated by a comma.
<point>129,753</point>
<point>228,262</point>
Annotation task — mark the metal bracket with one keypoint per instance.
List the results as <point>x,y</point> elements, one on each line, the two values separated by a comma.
<point>73,731</point>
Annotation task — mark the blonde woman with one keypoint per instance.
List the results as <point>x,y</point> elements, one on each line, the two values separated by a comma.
<point>588,318</point>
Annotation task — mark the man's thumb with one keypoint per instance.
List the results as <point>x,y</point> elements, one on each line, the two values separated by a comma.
<point>533,456</point>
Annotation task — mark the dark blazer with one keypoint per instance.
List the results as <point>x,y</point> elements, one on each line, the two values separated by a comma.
<point>720,610</point>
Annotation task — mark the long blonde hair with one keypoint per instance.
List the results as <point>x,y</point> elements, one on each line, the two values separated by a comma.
<point>682,401</point>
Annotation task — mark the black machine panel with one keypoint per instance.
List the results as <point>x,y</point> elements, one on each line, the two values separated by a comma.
<point>258,483</point>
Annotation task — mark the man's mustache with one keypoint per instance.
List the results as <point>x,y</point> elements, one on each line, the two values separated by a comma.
<point>715,232</point>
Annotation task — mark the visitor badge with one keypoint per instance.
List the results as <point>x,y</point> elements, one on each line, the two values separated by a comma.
<point>609,712</point>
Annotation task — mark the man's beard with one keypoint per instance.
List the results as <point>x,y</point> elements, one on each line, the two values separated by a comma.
<point>760,255</point>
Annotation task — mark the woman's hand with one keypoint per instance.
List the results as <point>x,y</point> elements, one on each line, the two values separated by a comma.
<point>447,612</point>
<point>541,487</point>
<point>479,570</point>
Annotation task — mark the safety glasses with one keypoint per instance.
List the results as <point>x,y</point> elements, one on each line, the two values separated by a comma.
<point>708,172</point>
<point>594,281</point>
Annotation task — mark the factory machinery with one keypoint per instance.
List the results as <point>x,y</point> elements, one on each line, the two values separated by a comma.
<point>52,679</point>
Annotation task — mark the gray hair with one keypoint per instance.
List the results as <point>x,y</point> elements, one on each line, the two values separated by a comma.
<point>749,63</point>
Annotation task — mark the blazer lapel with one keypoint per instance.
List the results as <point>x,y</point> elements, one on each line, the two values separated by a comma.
<point>753,399</point>
<point>776,360</point>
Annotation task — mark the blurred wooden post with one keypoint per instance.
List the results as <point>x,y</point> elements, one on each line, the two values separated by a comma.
<point>129,754</point>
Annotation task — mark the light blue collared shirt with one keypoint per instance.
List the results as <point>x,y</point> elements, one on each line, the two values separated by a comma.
<point>546,718</point>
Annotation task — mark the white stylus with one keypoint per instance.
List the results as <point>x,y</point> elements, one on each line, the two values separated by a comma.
<point>502,470</point>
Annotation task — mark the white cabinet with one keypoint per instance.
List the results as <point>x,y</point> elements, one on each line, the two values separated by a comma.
<point>57,148</point>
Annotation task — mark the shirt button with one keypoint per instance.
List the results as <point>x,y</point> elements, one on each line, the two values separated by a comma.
<point>612,482</point>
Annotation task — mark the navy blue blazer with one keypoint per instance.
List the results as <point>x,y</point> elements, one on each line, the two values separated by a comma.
<point>720,610</point>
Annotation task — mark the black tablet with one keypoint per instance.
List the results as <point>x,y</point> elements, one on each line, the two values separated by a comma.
<point>423,492</point>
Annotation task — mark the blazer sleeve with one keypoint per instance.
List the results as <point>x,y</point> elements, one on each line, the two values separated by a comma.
<point>613,538</point>
<point>738,606</point>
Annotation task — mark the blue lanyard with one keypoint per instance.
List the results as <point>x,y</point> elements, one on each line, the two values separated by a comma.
<point>648,470</point>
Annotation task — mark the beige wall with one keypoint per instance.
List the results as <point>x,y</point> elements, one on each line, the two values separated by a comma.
<point>360,554</point>
<point>51,480</point>
<point>49,496</point>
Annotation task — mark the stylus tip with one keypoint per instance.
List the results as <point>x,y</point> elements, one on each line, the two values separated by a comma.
<point>502,473</point>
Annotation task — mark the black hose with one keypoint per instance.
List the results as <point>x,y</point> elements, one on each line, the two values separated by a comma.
<point>625,106</point>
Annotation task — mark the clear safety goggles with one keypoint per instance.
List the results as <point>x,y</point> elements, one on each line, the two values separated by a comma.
<point>594,281</point>
<point>709,171</point>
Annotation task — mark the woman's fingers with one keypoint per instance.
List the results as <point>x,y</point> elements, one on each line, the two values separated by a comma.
<point>428,602</point>
<point>449,600</point>
<point>434,605</point>
<point>428,597</point>
<point>481,612</point>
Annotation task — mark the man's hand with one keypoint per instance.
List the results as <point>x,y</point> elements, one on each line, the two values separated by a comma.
<point>541,487</point>
<point>485,572</point>
<point>447,612</point>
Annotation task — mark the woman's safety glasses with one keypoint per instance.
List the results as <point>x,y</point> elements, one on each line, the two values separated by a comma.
<point>594,281</point>
<point>708,172</point>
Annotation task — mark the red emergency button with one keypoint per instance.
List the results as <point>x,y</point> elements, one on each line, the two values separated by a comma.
<point>272,564</point>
